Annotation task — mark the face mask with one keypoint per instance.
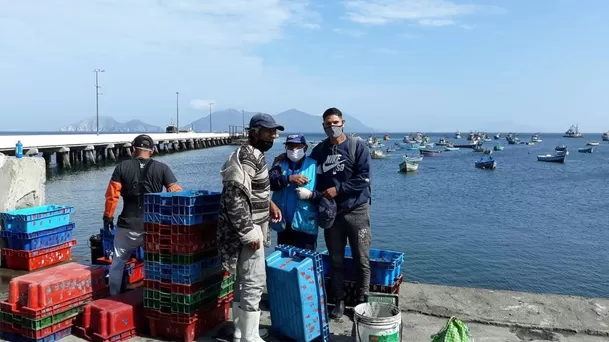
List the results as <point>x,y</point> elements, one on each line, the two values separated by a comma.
<point>263,145</point>
<point>295,155</point>
<point>334,131</point>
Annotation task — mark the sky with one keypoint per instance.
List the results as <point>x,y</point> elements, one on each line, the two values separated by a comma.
<point>397,65</point>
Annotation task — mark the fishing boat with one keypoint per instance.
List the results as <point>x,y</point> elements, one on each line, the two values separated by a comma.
<point>413,147</point>
<point>488,164</point>
<point>478,148</point>
<point>593,143</point>
<point>528,143</point>
<point>469,145</point>
<point>451,148</point>
<point>386,137</point>
<point>512,139</point>
<point>457,135</point>
<point>573,132</point>
<point>413,159</point>
<point>560,148</point>
<point>406,166</point>
<point>605,136</point>
<point>585,149</point>
<point>498,148</point>
<point>558,157</point>
<point>535,138</point>
<point>430,153</point>
<point>487,151</point>
<point>487,140</point>
<point>497,136</point>
<point>442,142</point>
<point>378,154</point>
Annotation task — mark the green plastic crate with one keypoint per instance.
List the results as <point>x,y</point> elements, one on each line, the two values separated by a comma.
<point>38,324</point>
<point>378,297</point>
<point>157,300</point>
<point>187,304</point>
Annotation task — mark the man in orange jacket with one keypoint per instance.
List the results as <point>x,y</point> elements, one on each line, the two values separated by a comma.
<point>131,180</point>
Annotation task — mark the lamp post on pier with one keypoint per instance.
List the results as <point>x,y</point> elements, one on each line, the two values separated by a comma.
<point>178,111</point>
<point>97,93</point>
<point>210,104</point>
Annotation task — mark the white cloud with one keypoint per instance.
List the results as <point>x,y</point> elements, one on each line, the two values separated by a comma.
<point>348,32</point>
<point>423,12</point>
<point>201,104</point>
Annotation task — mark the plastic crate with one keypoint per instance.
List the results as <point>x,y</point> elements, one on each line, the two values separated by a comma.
<point>120,315</point>
<point>296,294</point>
<point>385,266</point>
<point>189,220</point>
<point>20,322</point>
<point>351,290</point>
<point>160,327</point>
<point>182,277</point>
<point>188,304</point>
<point>40,333</point>
<point>33,260</point>
<point>8,336</point>
<point>194,198</point>
<point>108,246</point>
<point>35,219</point>
<point>37,240</point>
<point>46,292</point>
<point>157,271</point>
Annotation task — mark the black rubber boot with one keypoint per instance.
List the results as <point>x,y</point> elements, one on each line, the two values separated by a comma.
<point>339,309</point>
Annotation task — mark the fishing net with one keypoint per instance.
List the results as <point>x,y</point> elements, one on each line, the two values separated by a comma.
<point>454,331</point>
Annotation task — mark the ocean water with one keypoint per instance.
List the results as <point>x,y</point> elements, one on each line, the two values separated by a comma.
<point>526,226</point>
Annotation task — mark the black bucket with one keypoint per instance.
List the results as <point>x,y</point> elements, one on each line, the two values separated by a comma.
<point>97,249</point>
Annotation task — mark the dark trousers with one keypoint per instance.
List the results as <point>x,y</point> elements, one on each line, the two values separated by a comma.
<point>355,227</point>
<point>297,239</point>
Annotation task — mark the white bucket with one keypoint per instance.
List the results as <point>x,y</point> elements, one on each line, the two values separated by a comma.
<point>378,322</point>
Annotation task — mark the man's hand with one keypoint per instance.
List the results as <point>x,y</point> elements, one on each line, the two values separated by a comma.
<point>254,245</point>
<point>330,193</point>
<point>303,194</point>
<point>275,213</point>
<point>108,224</point>
<point>298,179</point>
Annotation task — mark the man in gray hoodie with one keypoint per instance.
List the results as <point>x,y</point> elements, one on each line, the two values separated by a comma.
<point>243,224</point>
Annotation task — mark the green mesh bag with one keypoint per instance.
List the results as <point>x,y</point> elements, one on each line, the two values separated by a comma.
<point>454,331</point>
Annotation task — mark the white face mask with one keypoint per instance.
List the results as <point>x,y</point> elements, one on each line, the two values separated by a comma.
<point>295,155</point>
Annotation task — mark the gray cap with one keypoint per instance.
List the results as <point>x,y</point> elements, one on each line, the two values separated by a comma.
<point>265,121</point>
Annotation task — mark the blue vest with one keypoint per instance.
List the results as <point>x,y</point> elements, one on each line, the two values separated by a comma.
<point>303,212</point>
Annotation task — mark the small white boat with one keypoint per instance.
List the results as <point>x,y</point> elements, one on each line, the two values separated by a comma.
<point>447,148</point>
<point>407,166</point>
<point>413,159</point>
<point>593,143</point>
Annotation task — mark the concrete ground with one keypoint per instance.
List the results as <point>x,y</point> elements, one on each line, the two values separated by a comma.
<point>492,316</point>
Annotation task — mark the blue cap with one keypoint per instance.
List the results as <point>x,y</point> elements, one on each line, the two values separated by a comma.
<point>296,139</point>
<point>326,213</point>
<point>264,121</point>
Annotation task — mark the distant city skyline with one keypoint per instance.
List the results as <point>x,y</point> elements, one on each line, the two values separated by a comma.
<point>396,65</point>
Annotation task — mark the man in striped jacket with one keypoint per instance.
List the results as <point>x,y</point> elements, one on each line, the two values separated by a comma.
<point>243,224</point>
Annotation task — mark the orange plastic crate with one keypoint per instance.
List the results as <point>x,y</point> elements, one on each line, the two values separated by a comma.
<point>33,260</point>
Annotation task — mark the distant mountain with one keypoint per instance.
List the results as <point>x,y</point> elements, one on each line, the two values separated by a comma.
<point>109,125</point>
<point>293,120</point>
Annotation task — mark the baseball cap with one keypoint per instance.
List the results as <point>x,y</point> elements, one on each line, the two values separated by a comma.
<point>296,139</point>
<point>143,142</point>
<point>265,121</point>
<point>326,213</point>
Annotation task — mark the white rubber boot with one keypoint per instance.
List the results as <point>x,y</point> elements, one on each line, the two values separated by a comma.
<point>238,326</point>
<point>237,322</point>
<point>250,322</point>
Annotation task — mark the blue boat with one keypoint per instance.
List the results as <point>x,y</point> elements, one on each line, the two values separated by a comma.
<point>558,157</point>
<point>488,164</point>
<point>585,149</point>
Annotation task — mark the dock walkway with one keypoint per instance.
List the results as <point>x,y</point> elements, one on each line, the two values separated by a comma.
<point>71,149</point>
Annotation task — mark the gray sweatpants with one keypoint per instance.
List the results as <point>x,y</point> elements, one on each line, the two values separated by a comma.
<point>355,227</point>
<point>125,242</point>
<point>251,278</point>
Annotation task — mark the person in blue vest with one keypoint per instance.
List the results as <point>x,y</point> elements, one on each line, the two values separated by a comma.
<point>293,180</point>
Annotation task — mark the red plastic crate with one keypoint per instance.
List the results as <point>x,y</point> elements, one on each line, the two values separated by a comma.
<point>137,273</point>
<point>215,314</point>
<point>33,260</point>
<point>119,316</point>
<point>174,331</point>
<point>152,242</point>
<point>52,287</point>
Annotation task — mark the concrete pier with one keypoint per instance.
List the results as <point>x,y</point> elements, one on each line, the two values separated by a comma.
<point>89,149</point>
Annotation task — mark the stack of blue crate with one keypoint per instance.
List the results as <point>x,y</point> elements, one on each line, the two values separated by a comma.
<point>297,296</point>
